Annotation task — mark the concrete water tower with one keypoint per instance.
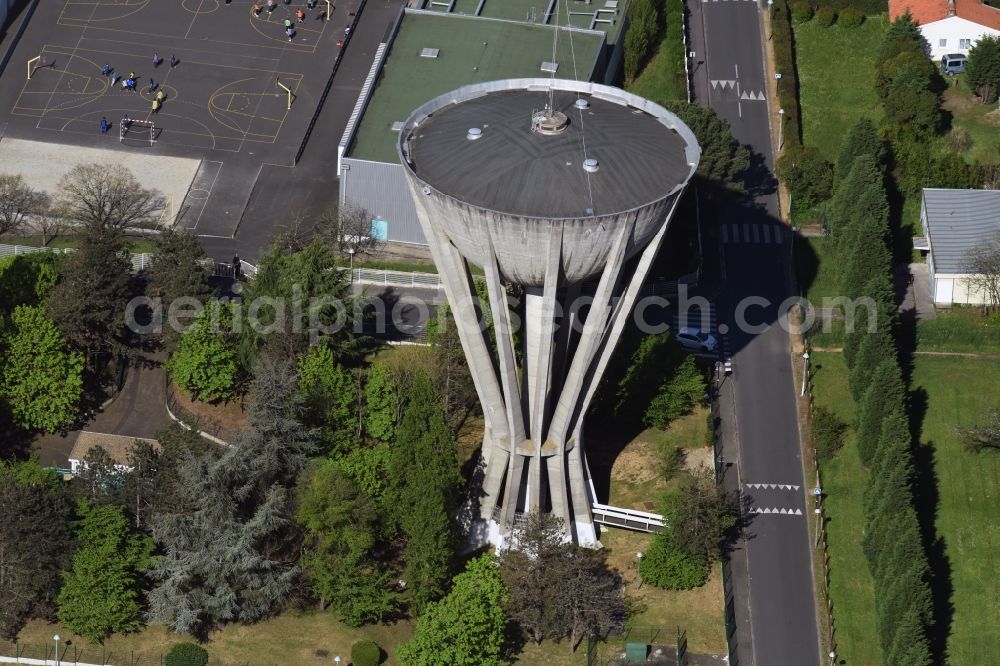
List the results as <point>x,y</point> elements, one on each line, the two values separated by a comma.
<point>566,189</point>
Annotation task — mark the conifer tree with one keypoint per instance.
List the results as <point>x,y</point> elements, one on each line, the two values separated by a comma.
<point>863,139</point>
<point>381,400</point>
<point>884,392</point>
<point>231,557</point>
<point>873,349</point>
<point>424,478</point>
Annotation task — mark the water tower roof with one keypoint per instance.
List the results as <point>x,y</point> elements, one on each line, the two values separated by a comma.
<point>518,165</point>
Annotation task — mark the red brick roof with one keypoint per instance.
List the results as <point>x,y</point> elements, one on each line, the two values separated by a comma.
<point>929,11</point>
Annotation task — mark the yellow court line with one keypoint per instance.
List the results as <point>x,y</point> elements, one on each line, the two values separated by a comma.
<point>301,48</point>
<point>24,91</point>
<point>172,131</point>
<point>54,49</point>
<point>143,4</point>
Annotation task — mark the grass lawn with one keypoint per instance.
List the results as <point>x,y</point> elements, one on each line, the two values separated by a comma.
<point>836,88</point>
<point>960,330</point>
<point>980,121</point>
<point>843,480</point>
<point>657,81</point>
<point>956,391</point>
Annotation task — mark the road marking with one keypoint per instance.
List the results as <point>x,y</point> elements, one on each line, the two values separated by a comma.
<point>779,511</point>
<point>767,233</point>
<point>772,486</point>
<point>725,233</point>
<point>756,233</point>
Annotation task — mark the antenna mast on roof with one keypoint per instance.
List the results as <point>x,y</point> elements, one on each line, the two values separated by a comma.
<point>552,76</point>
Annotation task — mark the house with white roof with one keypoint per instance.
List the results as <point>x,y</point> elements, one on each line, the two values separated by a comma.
<point>954,222</point>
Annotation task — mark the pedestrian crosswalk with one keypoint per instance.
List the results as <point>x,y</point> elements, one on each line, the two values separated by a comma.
<point>761,234</point>
<point>696,317</point>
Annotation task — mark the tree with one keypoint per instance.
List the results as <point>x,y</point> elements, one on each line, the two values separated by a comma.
<point>984,435</point>
<point>982,71</point>
<point>42,380</point>
<point>108,198</point>
<point>557,589</point>
<point>982,263</point>
<point>723,159</point>
<point>424,480</point>
<point>465,628</point>
<point>458,391</point>
<point>99,479</point>
<point>699,514</point>
<point>179,269</point>
<point>36,540</point>
<point>204,364</point>
<point>808,175</point>
<point>100,594</point>
<point>331,396</point>
<point>381,400</point>
<point>859,204</point>
<point>232,557</point>
<point>871,351</point>
<point>643,27</point>
<point>341,529</point>
<point>88,302</point>
<point>863,139</point>
<point>884,392</point>
<point>17,202</point>
<point>677,396</point>
<point>666,566</point>
<point>297,299</point>
<point>25,279</point>
<point>139,485</point>
<point>349,228</point>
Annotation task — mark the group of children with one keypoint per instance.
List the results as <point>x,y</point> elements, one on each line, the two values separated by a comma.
<point>129,83</point>
<point>258,10</point>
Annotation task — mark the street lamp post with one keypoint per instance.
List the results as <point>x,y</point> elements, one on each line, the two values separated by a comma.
<point>56,639</point>
<point>805,372</point>
<point>638,571</point>
<point>781,125</point>
<point>336,660</point>
<point>833,657</point>
<point>350,251</point>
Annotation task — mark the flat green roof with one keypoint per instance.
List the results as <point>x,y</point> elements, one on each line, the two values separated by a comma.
<point>470,50</point>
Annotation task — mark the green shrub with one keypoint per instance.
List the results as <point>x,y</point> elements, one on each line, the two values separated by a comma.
<point>671,460</point>
<point>667,566</point>
<point>677,396</point>
<point>826,16</point>
<point>851,18</point>
<point>784,64</point>
<point>802,11</point>
<point>828,432</point>
<point>866,7</point>
<point>366,653</point>
<point>186,654</point>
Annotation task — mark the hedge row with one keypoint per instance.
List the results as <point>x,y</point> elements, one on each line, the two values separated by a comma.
<point>867,7</point>
<point>674,42</point>
<point>784,64</point>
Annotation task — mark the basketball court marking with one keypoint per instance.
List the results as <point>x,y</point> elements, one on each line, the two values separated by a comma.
<point>283,44</point>
<point>76,90</point>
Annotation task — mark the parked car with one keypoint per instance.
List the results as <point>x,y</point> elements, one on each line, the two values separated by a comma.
<point>953,63</point>
<point>696,339</point>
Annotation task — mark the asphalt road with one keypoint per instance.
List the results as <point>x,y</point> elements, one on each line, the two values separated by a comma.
<point>774,605</point>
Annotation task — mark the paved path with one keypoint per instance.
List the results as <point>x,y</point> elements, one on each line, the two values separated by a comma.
<point>137,411</point>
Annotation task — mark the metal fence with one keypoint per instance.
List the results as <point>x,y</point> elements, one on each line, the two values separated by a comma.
<point>70,654</point>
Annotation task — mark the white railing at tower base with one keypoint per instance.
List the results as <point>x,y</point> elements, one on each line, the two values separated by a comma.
<point>629,519</point>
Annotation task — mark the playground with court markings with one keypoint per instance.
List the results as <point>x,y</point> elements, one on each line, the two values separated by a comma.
<point>233,89</point>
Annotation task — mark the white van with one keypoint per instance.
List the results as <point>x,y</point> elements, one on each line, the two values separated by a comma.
<point>953,63</point>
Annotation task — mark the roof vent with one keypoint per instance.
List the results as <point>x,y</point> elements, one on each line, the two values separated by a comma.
<point>550,67</point>
<point>429,53</point>
<point>474,133</point>
<point>397,126</point>
<point>581,103</point>
<point>590,165</point>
